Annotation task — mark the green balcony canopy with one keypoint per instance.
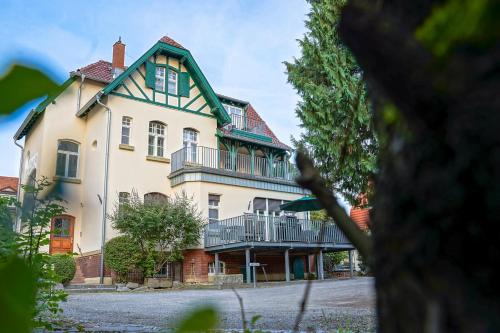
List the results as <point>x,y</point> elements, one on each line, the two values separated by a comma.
<point>304,204</point>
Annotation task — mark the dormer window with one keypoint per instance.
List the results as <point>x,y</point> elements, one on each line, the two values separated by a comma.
<point>236,115</point>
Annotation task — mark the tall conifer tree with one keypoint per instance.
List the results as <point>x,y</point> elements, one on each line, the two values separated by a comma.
<point>334,109</point>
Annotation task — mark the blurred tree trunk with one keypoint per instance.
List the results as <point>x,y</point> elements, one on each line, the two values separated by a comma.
<point>436,214</point>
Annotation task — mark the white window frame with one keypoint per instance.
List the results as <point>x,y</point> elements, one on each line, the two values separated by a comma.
<point>126,123</point>
<point>160,77</point>
<point>239,120</point>
<point>190,143</point>
<point>66,161</point>
<point>153,132</point>
<point>214,207</point>
<point>211,267</point>
<point>175,81</point>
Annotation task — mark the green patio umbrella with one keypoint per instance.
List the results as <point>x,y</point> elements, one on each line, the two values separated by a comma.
<point>304,204</point>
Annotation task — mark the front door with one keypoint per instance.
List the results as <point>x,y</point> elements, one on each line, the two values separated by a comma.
<point>61,236</point>
<point>298,268</point>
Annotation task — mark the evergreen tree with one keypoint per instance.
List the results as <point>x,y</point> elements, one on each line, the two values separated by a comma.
<point>334,109</point>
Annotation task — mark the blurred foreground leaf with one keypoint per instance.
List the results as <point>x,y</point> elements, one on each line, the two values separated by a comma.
<point>203,319</point>
<point>17,296</point>
<point>22,84</point>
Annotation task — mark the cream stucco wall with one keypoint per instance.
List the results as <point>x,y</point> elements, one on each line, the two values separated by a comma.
<point>128,169</point>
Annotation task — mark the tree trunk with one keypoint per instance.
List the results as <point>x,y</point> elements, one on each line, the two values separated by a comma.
<point>437,204</point>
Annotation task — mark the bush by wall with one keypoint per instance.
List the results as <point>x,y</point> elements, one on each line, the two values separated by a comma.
<point>121,254</point>
<point>64,267</point>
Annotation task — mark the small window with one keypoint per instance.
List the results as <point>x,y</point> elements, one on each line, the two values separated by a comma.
<point>156,141</point>
<point>213,208</point>
<point>172,82</point>
<point>126,123</point>
<point>160,79</point>
<point>123,198</point>
<point>222,268</point>
<point>154,197</point>
<point>67,159</point>
<point>61,227</point>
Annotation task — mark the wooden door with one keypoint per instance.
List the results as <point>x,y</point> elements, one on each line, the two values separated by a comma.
<point>61,236</point>
<point>298,268</point>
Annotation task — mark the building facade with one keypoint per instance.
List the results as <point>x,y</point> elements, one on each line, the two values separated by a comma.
<point>158,128</point>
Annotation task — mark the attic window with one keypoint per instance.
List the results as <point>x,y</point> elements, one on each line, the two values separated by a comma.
<point>160,79</point>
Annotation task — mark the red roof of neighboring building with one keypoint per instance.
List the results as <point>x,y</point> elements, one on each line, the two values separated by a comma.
<point>98,71</point>
<point>8,182</point>
<point>361,216</point>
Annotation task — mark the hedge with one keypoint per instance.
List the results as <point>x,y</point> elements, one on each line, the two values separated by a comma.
<point>121,254</point>
<point>64,267</point>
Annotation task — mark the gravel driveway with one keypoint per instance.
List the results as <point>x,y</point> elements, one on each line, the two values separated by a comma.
<point>334,304</point>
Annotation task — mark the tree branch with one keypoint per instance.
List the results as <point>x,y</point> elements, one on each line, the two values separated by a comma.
<point>311,179</point>
<point>242,309</point>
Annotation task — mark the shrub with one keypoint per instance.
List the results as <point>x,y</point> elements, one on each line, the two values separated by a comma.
<point>64,267</point>
<point>121,254</point>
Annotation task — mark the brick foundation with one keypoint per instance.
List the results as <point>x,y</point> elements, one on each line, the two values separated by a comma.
<point>90,266</point>
<point>195,266</point>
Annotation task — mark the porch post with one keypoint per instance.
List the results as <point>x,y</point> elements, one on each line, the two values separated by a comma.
<point>287,267</point>
<point>247,265</point>
<point>308,264</point>
<point>252,160</point>
<point>216,264</point>
<point>351,267</point>
<point>321,274</point>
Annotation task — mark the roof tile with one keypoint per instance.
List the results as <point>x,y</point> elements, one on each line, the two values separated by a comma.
<point>8,182</point>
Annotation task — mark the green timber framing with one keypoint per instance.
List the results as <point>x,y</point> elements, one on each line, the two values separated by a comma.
<point>185,58</point>
<point>34,114</point>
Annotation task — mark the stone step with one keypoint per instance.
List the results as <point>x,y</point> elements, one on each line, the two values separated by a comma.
<point>89,288</point>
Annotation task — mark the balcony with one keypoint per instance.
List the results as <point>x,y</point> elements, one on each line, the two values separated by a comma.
<point>232,163</point>
<point>246,124</point>
<point>268,231</point>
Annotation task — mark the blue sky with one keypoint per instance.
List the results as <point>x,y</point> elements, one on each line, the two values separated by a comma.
<point>239,45</point>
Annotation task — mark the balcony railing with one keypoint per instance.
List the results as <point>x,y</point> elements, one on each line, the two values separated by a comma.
<point>247,124</point>
<point>190,157</point>
<point>269,229</point>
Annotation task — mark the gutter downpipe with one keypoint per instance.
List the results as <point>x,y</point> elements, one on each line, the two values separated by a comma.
<point>105,194</point>
<point>17,226</point>
<point>79,99</point>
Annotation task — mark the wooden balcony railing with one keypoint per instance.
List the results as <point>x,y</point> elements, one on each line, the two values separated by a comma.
<point>269,229</point>
<point>189,157</point>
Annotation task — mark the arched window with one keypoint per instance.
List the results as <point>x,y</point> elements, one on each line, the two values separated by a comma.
<point>156,141</point>
<point>211,268</point>
<point>67,159</point>
<point>190,143</point>
<point>154,197</point>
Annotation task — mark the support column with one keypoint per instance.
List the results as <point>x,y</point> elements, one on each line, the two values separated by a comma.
<point>308,266</point>
<point>216,263</point>
<point>247,265</point>
<point>287,266</point>
<point>321,274</point>
<point>351,266</point>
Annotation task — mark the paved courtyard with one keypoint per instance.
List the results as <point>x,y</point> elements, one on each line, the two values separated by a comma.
<point>334,304</point>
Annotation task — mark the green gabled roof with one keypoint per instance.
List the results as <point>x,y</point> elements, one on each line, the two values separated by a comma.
<point>185,56</point>
<point>38,111</point>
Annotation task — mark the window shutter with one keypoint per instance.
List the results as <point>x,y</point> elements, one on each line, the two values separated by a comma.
<point>184,84</point>
<point>150,74</point>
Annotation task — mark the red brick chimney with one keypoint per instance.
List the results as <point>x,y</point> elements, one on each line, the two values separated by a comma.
<point>118,62</point>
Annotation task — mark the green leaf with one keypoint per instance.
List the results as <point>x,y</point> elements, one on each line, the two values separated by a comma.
<point>202,319</point>
<point>17,296</point>
<point>22,84</point>
<point>254,320</point>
